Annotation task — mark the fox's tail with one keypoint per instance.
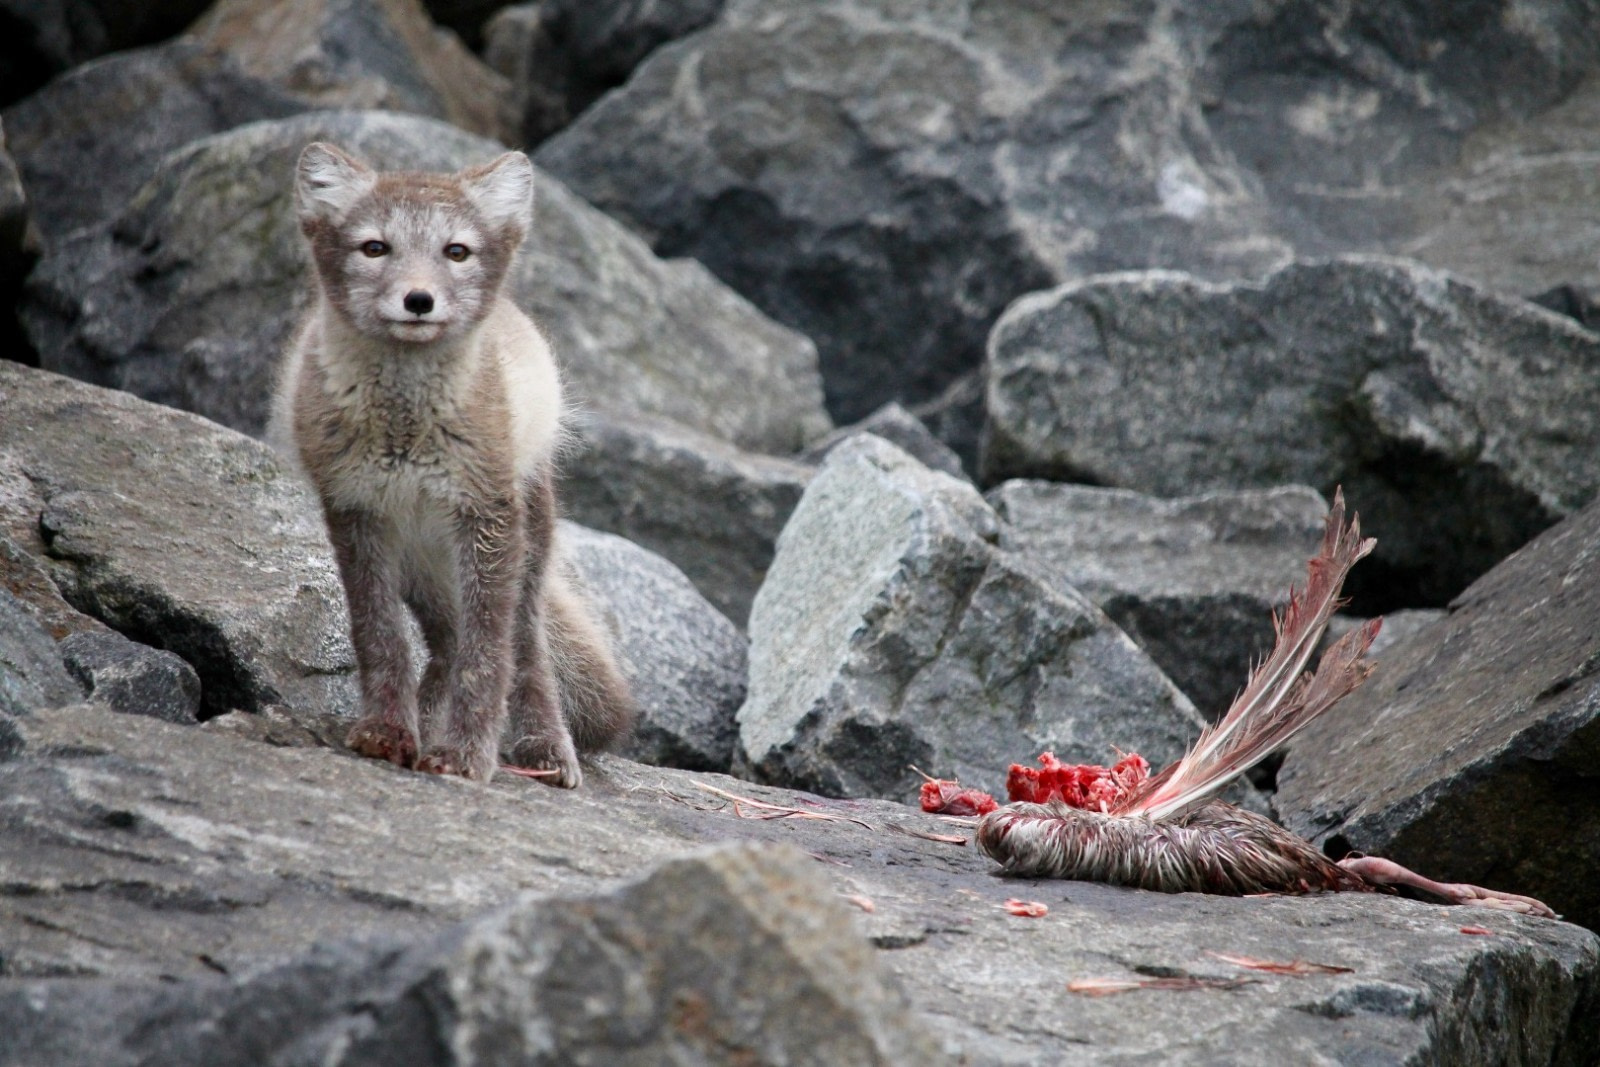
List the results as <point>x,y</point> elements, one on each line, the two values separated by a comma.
<point>594,693</point>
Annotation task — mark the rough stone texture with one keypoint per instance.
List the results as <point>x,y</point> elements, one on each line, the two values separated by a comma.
<point>1471,752</point>
<point>132,849</point>
<point>891,631</point>
<point>468,19</point>
<point>188,297</point>
<point>654,972</point>
<point>133,678</point>
<point>31,673</point>
<point>684,659</point>
<point>178,533</point>
<point>45,37</point>
<point>1398,627</point>
<point>711,509</point>
<point>956,417</point>
<point>561,55</point>
<point>900,428</point>
<point>1460,423</point>
<point>26,578</point>
<point>886,176</point>
<point>18,253</point>
<point>1193,580</point>
<point>86,142</point>
<point>384,54</point>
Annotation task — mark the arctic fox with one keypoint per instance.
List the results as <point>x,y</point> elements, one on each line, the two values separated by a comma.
<point>426,409</point>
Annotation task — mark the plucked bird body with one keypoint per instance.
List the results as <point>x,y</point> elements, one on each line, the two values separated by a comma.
<point>1169,833</point>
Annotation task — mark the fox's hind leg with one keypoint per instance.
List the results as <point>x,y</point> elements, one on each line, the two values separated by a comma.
<point>540,739</point>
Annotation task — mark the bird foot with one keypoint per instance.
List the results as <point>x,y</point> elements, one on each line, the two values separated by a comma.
<point>1380,871</point>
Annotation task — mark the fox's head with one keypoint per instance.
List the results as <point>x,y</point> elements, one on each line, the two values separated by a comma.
<point>412,257</point>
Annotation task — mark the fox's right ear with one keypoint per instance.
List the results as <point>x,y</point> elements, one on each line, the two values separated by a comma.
<point>328,183</point>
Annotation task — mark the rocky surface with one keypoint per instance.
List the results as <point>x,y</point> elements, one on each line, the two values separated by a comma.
<point>46,37</point>
<point>188,297</point>
<point>888,176</point>
<point>1471,753</point>
<point>1193,580</point>
<point>86,142</point>
<point>875,645</point>
<point>31,672</point>
<point>180,534</point>
<point>900,428</point>
<point>712,509</point>
<point>653,972</point>
<point>561,55</point>
<point>18,251</point>
<point>380,54</point>
<point>683,658</point>
<point>132,678</point>
<point>277,889</point>
<point>1460,423</point>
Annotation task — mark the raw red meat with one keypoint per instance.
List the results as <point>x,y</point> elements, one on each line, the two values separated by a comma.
<point>1084,785</point>
<point>944,797</point>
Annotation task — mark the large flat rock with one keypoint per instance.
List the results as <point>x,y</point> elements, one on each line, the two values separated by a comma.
<point>180,534</point>
<point>131,849</point>
<point>1471,752</point>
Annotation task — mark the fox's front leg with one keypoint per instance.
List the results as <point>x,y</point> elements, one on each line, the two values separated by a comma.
<point>542,738</point>
<point>488,549</point>
<point>363,544</point>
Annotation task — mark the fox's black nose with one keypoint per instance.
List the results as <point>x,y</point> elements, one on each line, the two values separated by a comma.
<point>418,301</point>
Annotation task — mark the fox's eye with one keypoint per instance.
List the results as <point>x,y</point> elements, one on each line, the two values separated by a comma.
<point>374,249</point>
<point>457,252</point>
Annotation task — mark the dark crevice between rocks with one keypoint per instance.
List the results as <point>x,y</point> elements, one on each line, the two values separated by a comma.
<point>1405,495</point>
<point>820,283</point>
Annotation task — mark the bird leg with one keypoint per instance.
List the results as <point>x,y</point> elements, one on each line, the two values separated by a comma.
<point>1380,871</point>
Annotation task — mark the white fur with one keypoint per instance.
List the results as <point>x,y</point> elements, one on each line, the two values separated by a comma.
<point>504,192</point>
<point>329,183</point>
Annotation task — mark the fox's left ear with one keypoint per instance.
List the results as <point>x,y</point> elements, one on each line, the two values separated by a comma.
<point>503,190</point>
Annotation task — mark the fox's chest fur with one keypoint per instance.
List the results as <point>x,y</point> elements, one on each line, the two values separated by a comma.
<point>400,431</point>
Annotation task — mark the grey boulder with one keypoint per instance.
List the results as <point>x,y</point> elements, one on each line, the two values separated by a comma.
<point>31,672</point>
<point>1459,422</point>
<point>658,970</point>
<point>1470,753</point>
<point>561,55</point>
<point>133,678</point>
<point>886,176</point>
<point>180,534</point>
<point>710,508</point>
<point>900,428</point>
<point>683,658</point>
<point>891,631</point>
<point>86,142</point>
<point>1193,580</point>
<point>384,54</point>
<point>188,297</point>
<point>46,37</point>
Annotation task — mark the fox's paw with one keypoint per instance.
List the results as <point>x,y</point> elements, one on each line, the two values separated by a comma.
<point>445,760</point>
<point>376,739</point>
<point>543,754</point>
